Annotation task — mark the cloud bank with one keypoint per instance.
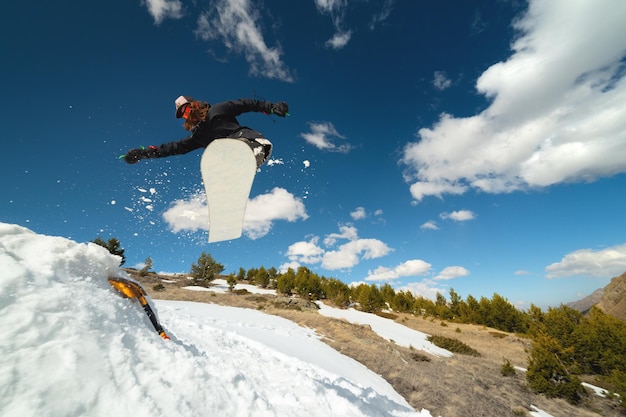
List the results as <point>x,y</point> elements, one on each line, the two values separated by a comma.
<point>556,111</point>
<point>191,215</point>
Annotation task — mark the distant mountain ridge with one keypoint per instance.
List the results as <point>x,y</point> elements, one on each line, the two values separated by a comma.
<point>610,299</point>
<point>584,304</point>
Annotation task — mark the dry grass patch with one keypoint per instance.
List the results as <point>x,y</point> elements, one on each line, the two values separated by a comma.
<point>448,387</point>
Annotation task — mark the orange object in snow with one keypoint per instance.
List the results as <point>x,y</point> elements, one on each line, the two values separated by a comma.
<point>131,289</point>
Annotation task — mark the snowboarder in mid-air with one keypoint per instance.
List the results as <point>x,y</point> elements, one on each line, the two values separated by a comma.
<point>232,156</point>
<point>210,122</point>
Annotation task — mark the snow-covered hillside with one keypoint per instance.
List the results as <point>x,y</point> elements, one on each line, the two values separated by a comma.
<point>71,346</point>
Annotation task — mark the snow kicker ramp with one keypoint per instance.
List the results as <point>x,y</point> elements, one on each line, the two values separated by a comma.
<point>71,346</point>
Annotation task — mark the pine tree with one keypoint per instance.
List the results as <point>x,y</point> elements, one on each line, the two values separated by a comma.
<point>262,277</point>
<point>285,282</point>
<point>231,280</point>
<point>547,371</point>
<point>147,267</point>
<point>388,293</point>
<point>206,270</point>
<point>113,246</point>
<point>455,303</point>
<point>403,302</point>
<point>336,291</point>
<point>369,298</point>
<point>241,275</point>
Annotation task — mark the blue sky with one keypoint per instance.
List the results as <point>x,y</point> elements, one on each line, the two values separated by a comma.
<point>475,145</point>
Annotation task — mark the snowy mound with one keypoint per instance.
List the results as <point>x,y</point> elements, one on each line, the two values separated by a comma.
<point>72,346</point>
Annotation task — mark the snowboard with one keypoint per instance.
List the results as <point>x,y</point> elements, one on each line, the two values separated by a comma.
<point>228,167</point>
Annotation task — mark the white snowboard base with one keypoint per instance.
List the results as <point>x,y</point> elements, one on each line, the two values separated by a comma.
<point>228,167</point>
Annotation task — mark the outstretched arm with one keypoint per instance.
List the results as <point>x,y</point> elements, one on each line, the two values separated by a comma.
<point>167,149</point>
<point>245,105</point>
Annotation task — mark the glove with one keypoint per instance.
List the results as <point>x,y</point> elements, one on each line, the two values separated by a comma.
<point>280,109</point>
<point>135,155</point>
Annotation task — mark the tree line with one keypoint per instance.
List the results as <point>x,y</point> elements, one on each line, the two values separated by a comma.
<point>566,344</point>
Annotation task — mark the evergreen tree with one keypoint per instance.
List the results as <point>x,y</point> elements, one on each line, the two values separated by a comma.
<point>206,270</point>
<point>369,298</point>
<point>307,284</point>
<point>441,308</point>
<point>336,291</point>
<point>113,246</point>
<point>250,275</point>
<point>231,280</point>
<point>262,277</point>
<point>241,275</point>
<point>470,312</point>
<point>504,316</point>
<point>455,303</point>
<point>388,294</point>
<point>147,267</point>
<point>547,371</point>
<point>561,322</point>
<point>600,343</point>
<point>285,282</point>
<point>403,302</point>
<point>425,306</point>
<point>535,320</point>
<point>273,275</point>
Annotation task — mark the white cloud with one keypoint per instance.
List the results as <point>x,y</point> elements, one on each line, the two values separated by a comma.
<point>383,15</point>
<point>358,213</point>
<point>261,213</point>
<point>349,254</point>
<point>336,9</point>
<point>603,263</point>
<point>347,232</point>
<point>330,6</point>
<point>237,24</point>
<point>321,136</point>
<point>426,288</point>
<point>410,268</point>
<point>458,216</point>
<point>305,252</point>
<point>188,215</point>
<point>284,267</point>
<point>263,210</point>
<point>164,9</point>
<point>429,225</point>
<point>556,111</point>
<point>452,272</point>
<point>344,256</point>
<point>441,81</point>
<point>339,40</point>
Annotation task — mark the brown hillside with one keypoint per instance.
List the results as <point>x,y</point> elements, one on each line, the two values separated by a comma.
<point>613,300</point>
<point>449,387</point>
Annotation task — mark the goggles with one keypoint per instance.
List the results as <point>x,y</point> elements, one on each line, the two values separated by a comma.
<point>186,112</point>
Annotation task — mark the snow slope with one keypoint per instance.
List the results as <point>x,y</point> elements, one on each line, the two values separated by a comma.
<point>72,347</point>
<point>387,329</point>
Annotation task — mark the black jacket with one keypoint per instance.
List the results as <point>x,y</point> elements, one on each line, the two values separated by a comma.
<point>220,123</point>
